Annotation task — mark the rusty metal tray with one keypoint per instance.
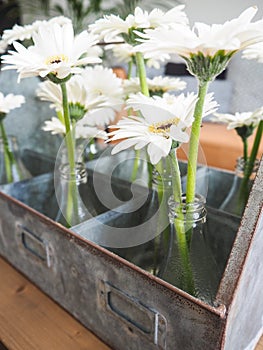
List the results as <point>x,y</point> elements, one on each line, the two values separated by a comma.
<point>124,305</point>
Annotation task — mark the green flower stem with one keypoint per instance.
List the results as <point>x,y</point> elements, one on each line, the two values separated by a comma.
<point>142,73</point>
<point>163,193</point>
<point>8,156</point>
<point>188,283</point>
<point>69,137</point>
<point>72,205</point>
<point>245,148</point>
<point>140,65</point>
<point>254,151</point>
<point>180,227</point>
<point>150,175</point>
<point>176,177</point>
<point>135,165</point>
<point>194,143</point>
<point>130,64</point>
<point>162,215</point>
<point>249,165</point>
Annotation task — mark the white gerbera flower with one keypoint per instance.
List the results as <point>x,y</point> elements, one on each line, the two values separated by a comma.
<point>171,105</point>
<point>231,36</point>
<point>56,127</point>
<point>123,53</point>
<point>238,120</point>
<point>9,102</point>
<point>213,44</point>
<point>111,26</point>
<point>21,33</point>
<point>156,85</point>
<point>55,51</point>
<point>76,91</point>
<point>137,133</point>
<point>95,95</point>
<point>163,121</point>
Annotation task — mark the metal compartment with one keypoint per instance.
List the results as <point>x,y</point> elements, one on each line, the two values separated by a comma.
<point>124,305</point>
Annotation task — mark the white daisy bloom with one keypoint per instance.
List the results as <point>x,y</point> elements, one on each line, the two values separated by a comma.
<point>138,133</point>
<point>229,37</point>
<point>123,53</point>
<point>238,120</point>
<point>97,91</point>
<point>163,121</point>
<point>82,130</point>
<point>110,26</point>
<point>55,51</point>
<point>155,85</point>
<point>10,101</point>
<point>21,33</point>
<point>55,126</point>
<point>181,105</point>
<point>77,93</point>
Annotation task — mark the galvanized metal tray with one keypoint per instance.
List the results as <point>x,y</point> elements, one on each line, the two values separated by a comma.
<point>124,305</point>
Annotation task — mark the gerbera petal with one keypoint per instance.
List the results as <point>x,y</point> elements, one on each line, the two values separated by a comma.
<point>124,145</point>
<point>158,149</point>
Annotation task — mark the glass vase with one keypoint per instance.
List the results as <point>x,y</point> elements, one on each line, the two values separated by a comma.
<point>149,253</point>
<point>236,199</point>
<point>189,263</point>
<point>12,168</point>
<point>68,184</point>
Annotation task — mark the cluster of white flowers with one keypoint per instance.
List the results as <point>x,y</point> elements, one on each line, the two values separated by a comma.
<point>110,27</point>
<point>96,93</point>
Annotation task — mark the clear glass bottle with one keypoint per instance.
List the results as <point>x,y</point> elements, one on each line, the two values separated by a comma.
<point>189,262</point>
<point>154,213</point>
<point>12,168</point>
<point>236,199</point>
<point>68,183</point>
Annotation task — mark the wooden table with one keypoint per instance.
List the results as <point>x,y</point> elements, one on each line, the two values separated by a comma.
<point>30,320</point>
<point>219,147</point>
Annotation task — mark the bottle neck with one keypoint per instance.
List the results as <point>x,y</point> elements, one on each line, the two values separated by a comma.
<point>241,166</point>
<point>194,212</point>
<point>78,174</point>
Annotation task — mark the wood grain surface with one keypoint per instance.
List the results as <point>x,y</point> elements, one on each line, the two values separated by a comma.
<point>30,320</point>
<point>219,147</point>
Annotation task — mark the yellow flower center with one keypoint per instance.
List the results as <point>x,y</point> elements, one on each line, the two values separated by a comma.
<point>56,59</point>
<point>163,127</point>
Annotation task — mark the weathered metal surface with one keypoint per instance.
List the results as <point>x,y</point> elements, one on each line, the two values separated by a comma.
<point>241,287</point>
<point>214,184</point>
<point>124,305</point>
<point>85,279</point>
